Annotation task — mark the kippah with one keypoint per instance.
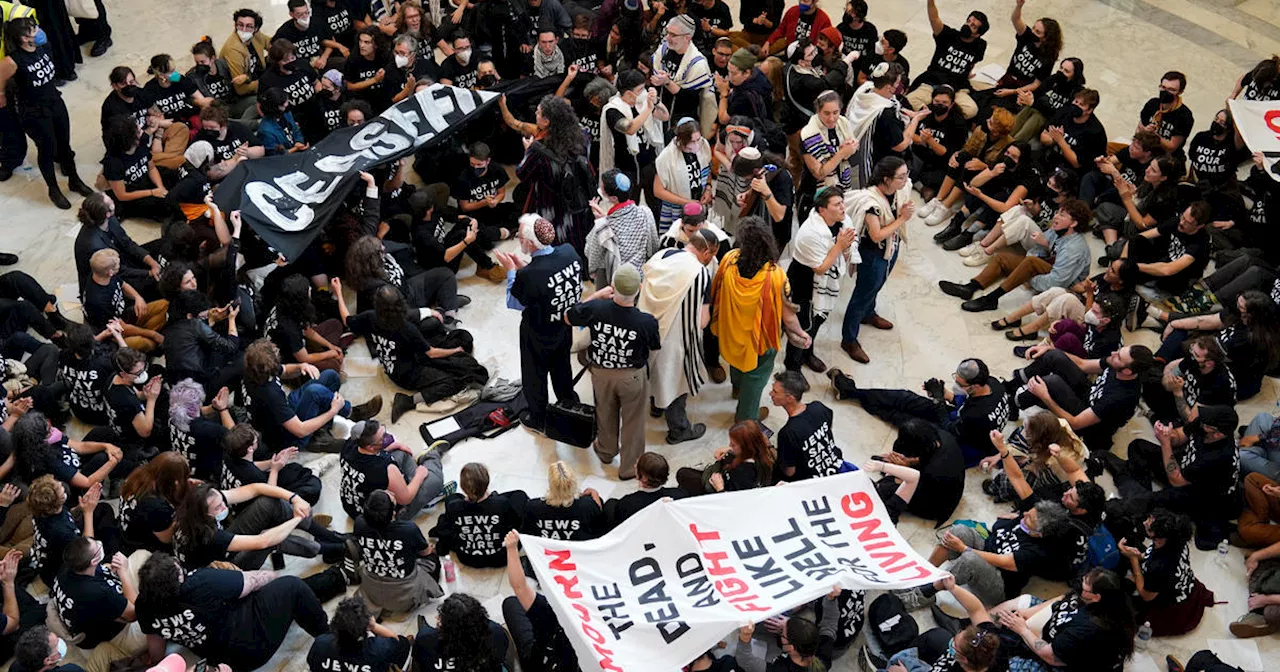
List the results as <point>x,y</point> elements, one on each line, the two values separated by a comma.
<point>545,231</point>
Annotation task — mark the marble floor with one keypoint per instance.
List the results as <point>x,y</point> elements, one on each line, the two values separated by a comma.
<point>1126,45</point>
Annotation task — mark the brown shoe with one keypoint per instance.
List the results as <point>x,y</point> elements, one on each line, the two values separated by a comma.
<point>717,374</point>
<point>1251,625</point>
<point>855,352</point>
<point>878,322</point>
<point>366,410</point>
<point>494,273</point>
<point>764,413</point>
<point>817,365</point>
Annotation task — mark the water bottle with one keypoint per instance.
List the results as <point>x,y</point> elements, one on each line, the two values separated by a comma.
<point>1221,558</point>
<point>450,572</point>
<point>1144,636</point>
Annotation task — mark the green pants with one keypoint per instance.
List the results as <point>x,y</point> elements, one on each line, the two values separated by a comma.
<point>750,386</point>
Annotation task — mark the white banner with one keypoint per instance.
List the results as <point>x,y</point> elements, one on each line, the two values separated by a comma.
<point>1259,125</point>
<point>674,579</point>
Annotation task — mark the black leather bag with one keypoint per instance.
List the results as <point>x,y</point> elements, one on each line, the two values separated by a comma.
<point>573,423</point>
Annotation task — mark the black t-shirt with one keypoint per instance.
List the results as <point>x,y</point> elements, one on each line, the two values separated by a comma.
<point>90,605</point>
<point>475,530</point>
<point>141,518</point>
<point>194,555</point>
<point>951,133</point>
<point>1213,471</point>
<point>35,74</point>
<point>1100,343</point>
<point>1173,123</point>
<point>270,409</point>
<point>1081,644</point>
<point>123,405</point>
<point>953,58</point>
<point>391,553</point>
<point>362,473</point>
<point>1167,572</point>
<point>941,482</point>
<point>619,510</point>
<point>462,76</point>
<point>306,43</point>
<point>718,16</point>
<point>102,303</point>
<point>201,444</point>
<point>852,607</point>
<point>1250,90</point>
<point>398,351</point>
<point>114,106</point>
<point>551,647</point>
<point>1181,244</point>
<point>807,444</point>
<point>979,415</point>
<point>1027,64</point>
<point>1088,140</point>
<point>174,101</point>
<point>299,85</point>
<point>585,54</point>
<point>200,613</point>
<point>237,472</point>
<point>237,134</point>
<point>470,186</point>
<point>424,69</point>
<point>621,336</point>
<point>427,654</point>
<point>1054,95</point>
<point>359,69</point>
<point>376,654</point>
<point>50,536</point>
<point>1033,556</point>
<point>86,380</point>
<point>862,40</point>
<point>191,188</point>
<point>1113,401</point>
<point>330,111</point>
<point>1216,388</point>
<point>1131,169</point>
<point>548,286</point>
<point>887,133</point>
<point>579,521</point>
<point>132,169</point>
<point>1214,161</point>
<point>287,333</point>
<point>337,21</point>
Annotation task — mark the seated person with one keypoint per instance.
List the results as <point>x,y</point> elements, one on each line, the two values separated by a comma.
<point>1075,137</point>
<point>969,417</point>
<point>398,570</point>
<point>231,141</point>
<point>132,410</point>
<point>356,641</point>
<point>39,650</point>
<point>540,641</point>
<point>902,482</point>
<point>937,137</point>
<point>800,651</point>
<point>1059,258</point>
<point>224,615</point>
<point>104,298</point>
<point>986,147</point>
<point>1015,225</point>
<point>85,367</point>
<point>976,648</point>
<point>196,437</point>
<point>986,196</point>
<point>95,599</point>
<point>806,445</point>
<point>652,472</point>
<point>566,512</point>
<point>56,527</point>
<point>955,54</point>
<point>1260,447</point>
<point>475,521</point>
<point>265,516</point>
<point>1247,329</point>
<point>1041,542</point>
<point>278,133</point>
<point>480,192</point>
<point>149,499</point>
<point>193,349</point>
<point>1092,628</point>
<point>747,462</point>
<point>129,174</point>
<point>939,464</point>
<point>438,243</point>
<point>100,229</point>
<point>1053,456</point>
<point>1167,115</point>
<point>1107,291</point>
<point>464,638</point>
<point>1094,411</point>
<point>299,334</point>
<point>1169,596</point>
<point>1173,255</point>
<point>240,444</point>
<point>1143,204</point>
<point>296,419</point>
<point>1198,467</point>
<point>1201,377</point>
<point>373,460</point>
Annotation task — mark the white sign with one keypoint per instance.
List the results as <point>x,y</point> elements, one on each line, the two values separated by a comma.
<point>1259,124</point>
<point>672,580</point>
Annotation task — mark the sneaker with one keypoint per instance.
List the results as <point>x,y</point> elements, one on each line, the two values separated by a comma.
<point>350,561</point>
<point>440,446</point>
<point>694,433</point>
<point>968,250</point>
<point>978,258</point>
<point>366,410</point>
<point>928,208</point>
<point>1251,625</point>
<point>401,404</point>
<point>940,215</point>
<point>449,488</point>
<point>913,599</point>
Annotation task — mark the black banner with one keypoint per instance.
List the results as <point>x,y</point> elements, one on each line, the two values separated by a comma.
<point>288,199</point>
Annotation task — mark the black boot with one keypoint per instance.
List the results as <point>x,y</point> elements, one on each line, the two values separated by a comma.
<point>950,230</point>
<point>74,183</point>
<point>56,195</point>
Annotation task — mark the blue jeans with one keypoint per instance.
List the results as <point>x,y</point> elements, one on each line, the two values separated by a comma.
<point>1262,457</point>
<point>313,399</point>
<point>872,274</point>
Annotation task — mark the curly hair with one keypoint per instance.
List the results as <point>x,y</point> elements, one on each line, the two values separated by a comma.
<point>170,282</point>
<point>1001,122</point>
<point>193,521</point>
<point>31,448</point>
<point>120,135</point>
<point>1042,430</point>
<point>294,299</point>
<point>185,400</point>
<point>350,624</point>
<point>464,634</point>
<point>46,496</point>
<point>757,246</point>
<point>364,262</point>
<point>159,581</point>
<point>564,136</point>
<point>261,362</point>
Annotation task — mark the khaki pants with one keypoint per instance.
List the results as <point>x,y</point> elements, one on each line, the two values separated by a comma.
<point>129,642</point>
<point>742,39</point>
<point>174,141</point>
<point>153,318</point>
<point>16,530</point>
<point>922,95</point>
<point>1016,267</point>
<point>1257,522</point>
<point>622,404</point>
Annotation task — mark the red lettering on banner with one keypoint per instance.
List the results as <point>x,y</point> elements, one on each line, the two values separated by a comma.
<point>567,585</point>
<point>703,536</point>
<point>731,588</point>
<point>714,568</point>
<point>606,659</point>
<point>864,502</point>
<point>751,606</point>
<point>861,505</point>
<point>560,561</point>
<point>583,614</point>
<point>866,530</point>
<point>1272,119</point>
<point>890,558</point>
<point>876,547</point>
<point>593,634</point>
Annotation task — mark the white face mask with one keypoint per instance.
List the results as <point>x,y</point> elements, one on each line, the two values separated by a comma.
<point>244,35</point>
<point>304,22</point>
<point>141,378</point>
<point>401,61</point>
<point>879,48</point>
<point>221,516</point>
<point>1092,319</point>
<point>62,649</point>
<point>464,56</point>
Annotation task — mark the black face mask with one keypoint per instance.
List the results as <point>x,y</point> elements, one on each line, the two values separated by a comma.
<point>1217,128</point>
<point>938,109</point>
<point>487,80</point>
<point>130,91</point>
<point>581,46</point>
<point>202,70</point>
<point>1166,97</point>
<point>1009,164</point>
<point>967,32</point>
<point>1076,111</point>
<point>1193,428</point>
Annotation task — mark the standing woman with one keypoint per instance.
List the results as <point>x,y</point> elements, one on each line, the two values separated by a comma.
<point>684,173</point>
<point>40,107</point>
<point>827,143</point>
<point>558,141</point>
<point>58,37</point>
<point>802,81</point>
<point>883,208</point>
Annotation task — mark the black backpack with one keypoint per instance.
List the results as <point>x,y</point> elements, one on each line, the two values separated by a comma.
<point>890,624</point>
<point>578,184</point>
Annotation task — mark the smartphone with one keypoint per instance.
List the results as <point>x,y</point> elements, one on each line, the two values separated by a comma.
<point>201,665</point>
<point>878,458</point>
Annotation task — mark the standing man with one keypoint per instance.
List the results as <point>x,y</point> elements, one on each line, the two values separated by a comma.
<point>621,339</point>
<point>806,444</point>
<point>820,258</point>
<point>683,75</point>
<point>677,293</point>
<point>955,53</point>
<point>543,288</point>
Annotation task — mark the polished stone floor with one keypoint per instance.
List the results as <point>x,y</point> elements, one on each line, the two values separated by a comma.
<point>1126,45</point>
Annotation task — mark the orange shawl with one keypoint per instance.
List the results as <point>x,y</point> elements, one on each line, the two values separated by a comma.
<point>747,312</point>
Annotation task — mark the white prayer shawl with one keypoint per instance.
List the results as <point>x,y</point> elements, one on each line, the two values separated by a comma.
<point>673,292</point>
<point>859,202</point>
<point>674,237</point>
<point>693,74</point>
<point>674,173</point>
<point>810,246</point>
<point>863,111</point>
<point>650,132</point>
<point>816,142</point>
